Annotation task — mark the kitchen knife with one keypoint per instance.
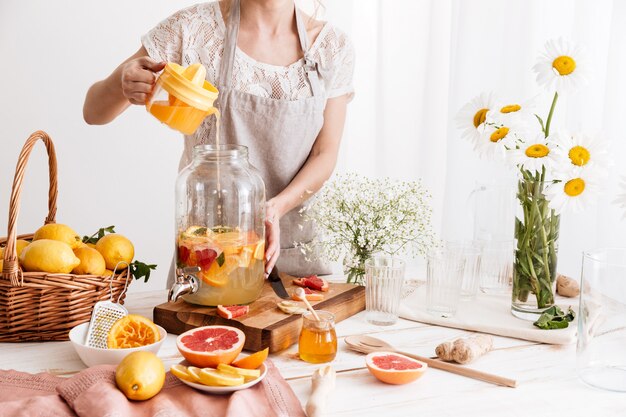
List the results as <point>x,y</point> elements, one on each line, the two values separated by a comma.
<point>277,284</point>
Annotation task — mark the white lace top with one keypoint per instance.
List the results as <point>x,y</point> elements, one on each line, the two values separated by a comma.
<point>196,34</point>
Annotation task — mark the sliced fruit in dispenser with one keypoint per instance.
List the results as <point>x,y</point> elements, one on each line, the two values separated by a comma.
<point>211,345</point>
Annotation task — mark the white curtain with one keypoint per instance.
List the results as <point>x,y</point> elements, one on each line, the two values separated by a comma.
<point>419,61</point>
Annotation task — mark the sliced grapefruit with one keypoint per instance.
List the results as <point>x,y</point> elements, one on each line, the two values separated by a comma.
<point>232,312</point>
<point>393,368</point>
<point>309,295</point>
<point>253,361</point>
<point>313,282</point>
<point>211,345</point>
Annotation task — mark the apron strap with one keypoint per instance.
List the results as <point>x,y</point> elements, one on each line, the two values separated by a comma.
<point>230,47</point>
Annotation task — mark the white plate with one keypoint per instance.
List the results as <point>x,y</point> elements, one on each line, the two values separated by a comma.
<point>224,390</point>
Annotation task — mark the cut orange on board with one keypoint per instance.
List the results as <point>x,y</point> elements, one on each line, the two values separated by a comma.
<point>132,331</point>
<point>393,368</point>
<point>253,361</point>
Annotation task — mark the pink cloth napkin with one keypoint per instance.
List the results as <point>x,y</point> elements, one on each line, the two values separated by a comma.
<point>29,395</point>
<point>92,393</point>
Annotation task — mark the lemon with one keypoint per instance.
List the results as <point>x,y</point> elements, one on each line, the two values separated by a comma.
<point>140,375</point>
<point>91,262</point>
<point>46,255</point>
<point>60,232</point>
<point>91,245</point>
<point>116,248</point>
<point>20,244</point>
<point>107,273</point>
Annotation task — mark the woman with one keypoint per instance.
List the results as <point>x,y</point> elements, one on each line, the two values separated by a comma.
<point>284,81</point>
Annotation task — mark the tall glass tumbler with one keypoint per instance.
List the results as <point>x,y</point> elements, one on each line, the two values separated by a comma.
<point>470,252</point>
<point>444,278</point>
<point>496,266</point>
<point>601,349</point>
<point>384,277</point>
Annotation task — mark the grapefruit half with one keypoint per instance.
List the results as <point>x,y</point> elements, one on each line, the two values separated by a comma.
<point>211,345</point>
<point>393,368</point>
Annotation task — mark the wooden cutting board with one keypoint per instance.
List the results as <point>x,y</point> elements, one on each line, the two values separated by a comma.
<point>265,325</point>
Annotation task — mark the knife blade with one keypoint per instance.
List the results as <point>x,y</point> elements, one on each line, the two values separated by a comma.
<point>277,284</point>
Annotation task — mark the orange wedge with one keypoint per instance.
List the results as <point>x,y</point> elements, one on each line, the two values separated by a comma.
<point>259,251</point>
<point>253,361</point>
<point>132,331</point>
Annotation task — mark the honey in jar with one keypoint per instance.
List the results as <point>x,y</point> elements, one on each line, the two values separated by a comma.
<point>318,340</point>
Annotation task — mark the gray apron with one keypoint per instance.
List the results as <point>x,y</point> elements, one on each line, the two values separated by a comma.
<point>279,135</point>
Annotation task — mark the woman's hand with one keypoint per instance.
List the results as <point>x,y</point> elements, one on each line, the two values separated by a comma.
<point>138,77</point>
<point>272,235</point>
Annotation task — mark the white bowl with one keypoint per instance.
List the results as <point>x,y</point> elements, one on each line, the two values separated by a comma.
<point>93,356</point>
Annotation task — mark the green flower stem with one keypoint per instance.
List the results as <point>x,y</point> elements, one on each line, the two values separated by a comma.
<point>549,121</point>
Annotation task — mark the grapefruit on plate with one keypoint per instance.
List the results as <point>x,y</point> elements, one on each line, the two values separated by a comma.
<point>211,345</point>
<point>394,368</point>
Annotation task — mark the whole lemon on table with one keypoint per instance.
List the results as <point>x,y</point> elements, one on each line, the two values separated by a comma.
<point>91,262</point>
<point>60,232</point>
<point>140,375</point>
<point>115,248</point>
<point>48,255</point>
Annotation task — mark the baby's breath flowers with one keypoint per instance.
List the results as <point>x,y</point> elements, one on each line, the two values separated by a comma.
<point>357,217</point>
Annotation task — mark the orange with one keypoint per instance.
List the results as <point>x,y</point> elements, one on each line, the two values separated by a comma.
<point>253,361</point>
<point>132,331</point>
<point>393,368</point>
<point>211,345</point>
<point>217,275</point>
<point>259,250</point>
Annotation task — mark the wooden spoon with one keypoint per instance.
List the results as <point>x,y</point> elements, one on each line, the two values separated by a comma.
<point>367,344</point>
<point>302,295</point>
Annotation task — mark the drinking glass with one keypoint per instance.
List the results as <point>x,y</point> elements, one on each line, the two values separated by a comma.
<point>470,253</point>
<point>318,339</point>
<point>384,276</point>
<point>493,207</point>
<point>444,277</point>
<point>601,352</point>
<point>496,266</point>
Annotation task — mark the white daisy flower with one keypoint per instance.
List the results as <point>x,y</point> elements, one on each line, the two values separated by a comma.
<point>519,111</point>
<point>533,154</point>
<point>562,67</point>
<point>621,198</point>
<point>499,137</point>
<point>574,191</point>
<point>582,150</point>
<point>471,118</point>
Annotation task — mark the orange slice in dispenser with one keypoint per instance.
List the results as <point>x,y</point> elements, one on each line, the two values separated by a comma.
<point>217,276</point>
<point>245,257</point>
<point>259,250</point>
<point>132,331</point>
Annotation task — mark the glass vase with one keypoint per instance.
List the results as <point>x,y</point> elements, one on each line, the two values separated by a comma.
<point>537,235</point>
<point>354,266</point>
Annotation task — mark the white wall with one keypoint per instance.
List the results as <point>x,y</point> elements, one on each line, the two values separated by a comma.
<point>418,61</point>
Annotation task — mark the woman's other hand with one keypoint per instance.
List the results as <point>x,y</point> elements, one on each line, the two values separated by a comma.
<point>138,77</point>
<point>272,235</point>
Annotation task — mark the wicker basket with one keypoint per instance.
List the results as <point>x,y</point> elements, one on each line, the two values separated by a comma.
<point>37,306</point>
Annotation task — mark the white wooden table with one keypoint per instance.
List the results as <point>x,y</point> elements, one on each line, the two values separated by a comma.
<point>547,382</point>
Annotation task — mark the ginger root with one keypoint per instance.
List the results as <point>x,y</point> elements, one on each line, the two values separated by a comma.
<point>566,286</point>
<point>465,350</point>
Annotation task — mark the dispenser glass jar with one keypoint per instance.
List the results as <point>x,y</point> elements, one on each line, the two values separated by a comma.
<point>220,212</point>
